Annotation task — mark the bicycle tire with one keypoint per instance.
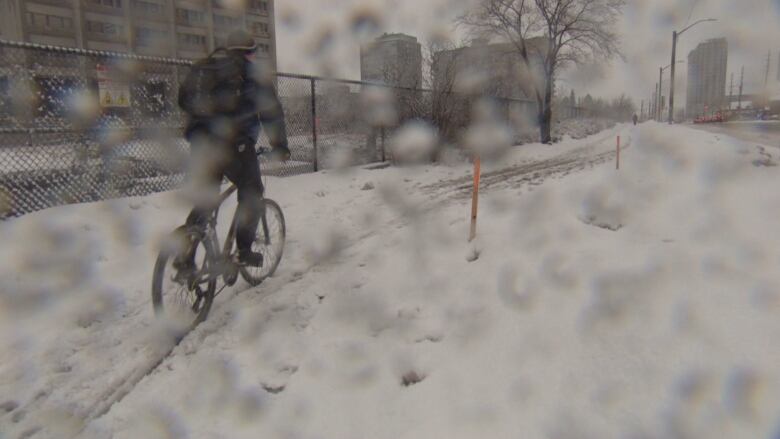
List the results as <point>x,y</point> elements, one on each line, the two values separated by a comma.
<point>272,254</point>
<point>173,245</point>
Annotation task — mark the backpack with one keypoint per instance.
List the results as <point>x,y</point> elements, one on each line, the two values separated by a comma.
<point>212,86</point>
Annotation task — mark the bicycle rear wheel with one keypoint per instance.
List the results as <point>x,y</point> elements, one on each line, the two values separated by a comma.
<point>269,241</point>
<point>183,301</point>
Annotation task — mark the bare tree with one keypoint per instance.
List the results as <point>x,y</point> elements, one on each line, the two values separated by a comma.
<point>447,109</point>
<point>572,32</point>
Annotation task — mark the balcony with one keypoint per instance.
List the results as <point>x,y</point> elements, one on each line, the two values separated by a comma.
<point>61,3</point>
<point>256,11</point>
<point>105,7</point>
<point>161,49</point>
<point>142,16</point>
<point>223,28</point>
<point>50,31</point>
<point>149,11</point>
<point>180,21</point>
<point>260,33</point>
<point>257,7</point>
<point>219,4</point>
<point>105,37</point>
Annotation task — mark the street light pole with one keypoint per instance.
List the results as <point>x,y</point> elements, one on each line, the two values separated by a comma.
<point>675,36</point>
<point>671,80</point>
<point>660,112</point>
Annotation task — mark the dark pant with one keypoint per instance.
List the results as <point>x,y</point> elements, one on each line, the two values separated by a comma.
<point>241,167</point>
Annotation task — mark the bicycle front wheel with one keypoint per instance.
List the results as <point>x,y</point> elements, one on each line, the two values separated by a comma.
<point>269,241</point>
<point>184,299</point>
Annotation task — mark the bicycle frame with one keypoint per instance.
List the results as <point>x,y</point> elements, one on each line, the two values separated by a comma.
<point>211,231</point>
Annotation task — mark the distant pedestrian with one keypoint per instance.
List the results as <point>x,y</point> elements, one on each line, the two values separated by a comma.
<point>635,118</point>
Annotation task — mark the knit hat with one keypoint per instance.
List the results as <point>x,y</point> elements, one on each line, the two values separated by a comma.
<point>241,40</point>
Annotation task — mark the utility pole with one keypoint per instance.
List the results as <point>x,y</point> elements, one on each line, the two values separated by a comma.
<point>765,99</point>
<point>766,75</point>
<point>650,106</point>
<point>660,88</point>
<point>731,92</point>
<point>731,88</point>
<point>671,75</point>
<point>663,106</point>
<point>741,82</point>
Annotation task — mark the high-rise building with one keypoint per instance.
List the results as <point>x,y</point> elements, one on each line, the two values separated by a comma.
<point>168,28</point>
<point>707,77</point>
<point>392,59</point>
<point>495,68</point>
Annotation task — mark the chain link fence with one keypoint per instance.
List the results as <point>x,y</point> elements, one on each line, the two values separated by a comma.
<point>79,125</point>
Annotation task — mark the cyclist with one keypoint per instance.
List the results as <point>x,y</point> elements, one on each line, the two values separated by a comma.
<point>223,144</point>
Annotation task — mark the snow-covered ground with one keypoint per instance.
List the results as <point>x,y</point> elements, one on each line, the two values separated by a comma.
<point>595,303</point>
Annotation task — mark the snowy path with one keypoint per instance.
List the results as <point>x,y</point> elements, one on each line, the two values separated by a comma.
<point>305,285</point>
<point>538,336</point>
<point>122,341</point>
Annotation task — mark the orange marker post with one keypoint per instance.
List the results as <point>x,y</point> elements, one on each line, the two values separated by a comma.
<point>474,200</point>
<point>617,163</point>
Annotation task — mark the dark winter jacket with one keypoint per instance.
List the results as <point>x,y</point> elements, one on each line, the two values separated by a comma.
<point>259,104</point>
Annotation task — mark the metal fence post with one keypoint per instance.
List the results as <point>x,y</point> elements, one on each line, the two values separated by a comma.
<point>314,122</point>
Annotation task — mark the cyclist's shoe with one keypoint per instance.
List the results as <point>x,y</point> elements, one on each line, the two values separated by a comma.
<point>248,257</point>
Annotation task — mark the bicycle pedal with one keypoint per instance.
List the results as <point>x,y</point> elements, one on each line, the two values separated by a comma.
<point>231,273</point>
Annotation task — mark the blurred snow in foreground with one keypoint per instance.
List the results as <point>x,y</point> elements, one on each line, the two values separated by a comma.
<point>635,303</point>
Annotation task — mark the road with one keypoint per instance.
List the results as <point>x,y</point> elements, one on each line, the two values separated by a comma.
<point>763,132</point>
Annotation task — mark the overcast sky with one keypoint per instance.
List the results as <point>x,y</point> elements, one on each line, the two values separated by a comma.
<point>322,37</point>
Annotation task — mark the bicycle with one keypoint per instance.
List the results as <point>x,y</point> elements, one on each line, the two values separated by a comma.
<point>190,299</point>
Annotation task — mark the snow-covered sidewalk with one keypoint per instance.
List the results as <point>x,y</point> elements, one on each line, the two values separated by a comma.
<point>642,302</point>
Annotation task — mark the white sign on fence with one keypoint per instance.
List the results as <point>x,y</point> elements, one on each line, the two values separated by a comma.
<point>111,92</point>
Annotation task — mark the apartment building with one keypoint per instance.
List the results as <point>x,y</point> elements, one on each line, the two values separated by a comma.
<point>493,68</point>
<point>184,29</point>
<point>167,28</point>
<point>707,64</point>
<point>392,59</point>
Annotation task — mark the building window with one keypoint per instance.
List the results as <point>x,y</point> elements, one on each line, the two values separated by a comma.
<point>148,8</point>
<point>226,22</point>
<point>220,41</point>
<point>190,16</point>
<point>192,40</point>
<point>108,3</point>
<point>99,27</point>
<point>145,36</point>
<point>258,6</point>
<point>259,28</point>
<point>263,48</point>
<point>54,22</point>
